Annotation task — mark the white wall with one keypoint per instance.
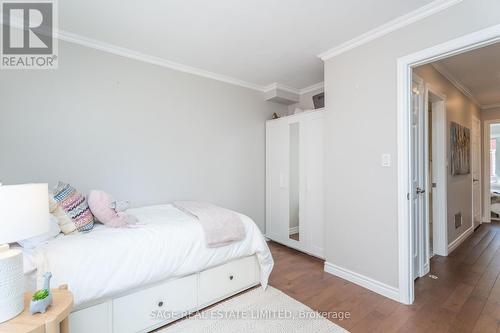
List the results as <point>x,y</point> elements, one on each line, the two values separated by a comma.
<point>361,125</point>
<point>142,132</point>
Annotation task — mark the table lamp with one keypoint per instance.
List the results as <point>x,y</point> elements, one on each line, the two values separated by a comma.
<point>24,213</point>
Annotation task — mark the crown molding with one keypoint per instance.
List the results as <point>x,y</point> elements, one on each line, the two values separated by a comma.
<point>491,106</point>
<point>313,87</point>
<point>463,89</point>
<point>308,89</point>
<point>128,53</point>
<point>282,87</point>
<point>132,54</point>
<point>454,81</point>
<point>386,28</point>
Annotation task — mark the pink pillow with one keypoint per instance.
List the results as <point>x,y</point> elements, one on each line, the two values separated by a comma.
<point>100,205</point>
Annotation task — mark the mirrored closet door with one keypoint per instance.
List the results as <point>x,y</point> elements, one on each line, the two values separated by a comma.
<point>294,182</point>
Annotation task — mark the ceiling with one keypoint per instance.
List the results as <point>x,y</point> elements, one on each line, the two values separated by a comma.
<point>256,41</point>
<point>478,72</point>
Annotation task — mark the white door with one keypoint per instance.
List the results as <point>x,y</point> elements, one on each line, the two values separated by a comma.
<point>417,175</point>
<point>277,136</point>
<point>476,171</point>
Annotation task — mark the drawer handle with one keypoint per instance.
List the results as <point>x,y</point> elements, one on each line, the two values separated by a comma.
<point>160,304</point>
<point>231,277</point>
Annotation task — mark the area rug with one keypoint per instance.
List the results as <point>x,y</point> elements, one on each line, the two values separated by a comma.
<point>256,311</point>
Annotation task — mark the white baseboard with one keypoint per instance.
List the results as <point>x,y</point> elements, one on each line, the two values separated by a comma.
<point>364,281</point>
<point>453,245</point>
<point>293,230</point>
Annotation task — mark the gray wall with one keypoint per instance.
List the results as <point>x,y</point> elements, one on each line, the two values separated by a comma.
<point>459,109</point>
<point>361,124</point>
<point>144,133</point>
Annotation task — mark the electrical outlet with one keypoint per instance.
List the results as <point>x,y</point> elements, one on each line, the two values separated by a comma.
<point>386,160</point>
<point>458,220</point>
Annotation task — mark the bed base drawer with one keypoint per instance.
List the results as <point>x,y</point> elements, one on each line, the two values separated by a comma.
<point>155,306</point>
<point>147,309</point>
<point>95,319</point>
<point>222,281</point>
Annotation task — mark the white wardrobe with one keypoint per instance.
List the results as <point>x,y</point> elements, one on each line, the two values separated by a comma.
<point>295,182</point>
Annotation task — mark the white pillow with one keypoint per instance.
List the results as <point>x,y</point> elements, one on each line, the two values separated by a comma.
<point>33,242</point>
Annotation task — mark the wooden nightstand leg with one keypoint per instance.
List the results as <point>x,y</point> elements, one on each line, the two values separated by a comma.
<point>52,327</point>
<point>65,326</point>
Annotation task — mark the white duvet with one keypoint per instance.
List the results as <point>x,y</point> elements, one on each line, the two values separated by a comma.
<point>168,243</point>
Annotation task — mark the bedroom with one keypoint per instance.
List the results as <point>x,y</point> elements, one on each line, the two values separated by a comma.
<point>169,103</point>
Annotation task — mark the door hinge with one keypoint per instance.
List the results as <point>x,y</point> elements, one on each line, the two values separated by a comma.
<point>407,196</point>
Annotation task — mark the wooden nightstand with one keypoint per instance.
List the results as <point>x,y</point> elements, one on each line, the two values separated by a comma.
<point>55,320</point>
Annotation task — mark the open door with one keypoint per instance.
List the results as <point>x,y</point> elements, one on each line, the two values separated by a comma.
<point>417,175</point>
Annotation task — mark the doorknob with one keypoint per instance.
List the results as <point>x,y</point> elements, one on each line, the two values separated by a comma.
<point>420,190</point>
<point>475,180</point>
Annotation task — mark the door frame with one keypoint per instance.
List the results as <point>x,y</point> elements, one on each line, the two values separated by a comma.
<point>440,174</point>
<point>486,127</point>
<point>480,180</point>
<point>404,74</point>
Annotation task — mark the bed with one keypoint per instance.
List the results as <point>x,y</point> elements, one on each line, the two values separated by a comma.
<point>137,279</point>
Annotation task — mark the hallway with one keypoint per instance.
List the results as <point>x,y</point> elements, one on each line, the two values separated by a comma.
<point>464,298</point>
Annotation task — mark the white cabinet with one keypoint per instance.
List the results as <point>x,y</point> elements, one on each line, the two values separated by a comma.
<point>294,181</point>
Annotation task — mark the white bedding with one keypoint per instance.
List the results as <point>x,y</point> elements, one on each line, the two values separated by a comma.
<point>495,208</point>
<point>168,243</point>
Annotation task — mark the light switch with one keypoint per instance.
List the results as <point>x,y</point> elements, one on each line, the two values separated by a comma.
<point>386,160</point>
<point>282,181</point>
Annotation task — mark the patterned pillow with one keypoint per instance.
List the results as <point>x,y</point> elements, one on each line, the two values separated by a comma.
<point>75,206</point>
<point>65,222</point>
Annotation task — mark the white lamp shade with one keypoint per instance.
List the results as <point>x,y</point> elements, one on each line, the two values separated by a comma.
<point>24,211</point>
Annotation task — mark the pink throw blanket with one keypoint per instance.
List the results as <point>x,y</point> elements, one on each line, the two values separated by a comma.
<point>221,226</point>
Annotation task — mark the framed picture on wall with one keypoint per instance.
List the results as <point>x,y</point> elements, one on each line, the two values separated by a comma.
<point>460,149</point>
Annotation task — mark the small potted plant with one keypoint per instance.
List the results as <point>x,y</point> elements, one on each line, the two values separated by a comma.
<point>42,298</point>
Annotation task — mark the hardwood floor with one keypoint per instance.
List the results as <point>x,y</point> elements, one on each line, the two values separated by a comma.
<point>464,298</point>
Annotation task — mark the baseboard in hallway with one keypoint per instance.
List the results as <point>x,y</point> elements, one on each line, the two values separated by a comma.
<point>460,239</point>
